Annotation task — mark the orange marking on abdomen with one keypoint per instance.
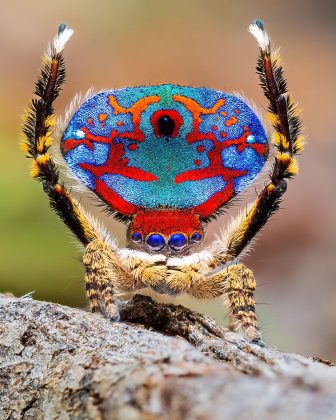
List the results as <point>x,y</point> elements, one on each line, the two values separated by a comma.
<point>231,121</point>
<point>120,123</point>
<point>102,117</point>
<point>195,107</point>
<point>136,110</point>
<point>90,121</point>
<point>224,113</point>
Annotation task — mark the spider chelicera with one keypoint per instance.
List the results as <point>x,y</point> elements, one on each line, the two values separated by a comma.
<point>165,160</point>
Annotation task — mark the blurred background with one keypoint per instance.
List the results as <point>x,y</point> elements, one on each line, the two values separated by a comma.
<point>201,42</point>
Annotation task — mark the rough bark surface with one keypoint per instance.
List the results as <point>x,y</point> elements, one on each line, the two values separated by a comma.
<point>161,362</point>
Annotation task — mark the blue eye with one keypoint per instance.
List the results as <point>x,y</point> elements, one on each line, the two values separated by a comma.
<point>136,237</point>
<point>177,241</point>
<point>196,237</point>
<point>155,242</point>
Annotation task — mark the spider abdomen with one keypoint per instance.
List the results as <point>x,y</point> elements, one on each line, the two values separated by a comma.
<point>165,146</point>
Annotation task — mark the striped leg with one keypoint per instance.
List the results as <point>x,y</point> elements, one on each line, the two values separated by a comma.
<point>100,287</point>
<point>100,263</point>
<point>239,286</point>
<point>284,116</point>
<point>236,284</point>
<point>39,125</point>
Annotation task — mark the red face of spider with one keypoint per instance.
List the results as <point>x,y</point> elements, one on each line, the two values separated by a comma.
<point>155,231</point>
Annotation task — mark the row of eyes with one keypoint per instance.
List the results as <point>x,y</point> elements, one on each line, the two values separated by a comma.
<point>156,241</point>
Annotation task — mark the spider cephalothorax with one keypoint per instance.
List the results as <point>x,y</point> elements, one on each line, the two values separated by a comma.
<point>166,160</point>
<point>168,231</point>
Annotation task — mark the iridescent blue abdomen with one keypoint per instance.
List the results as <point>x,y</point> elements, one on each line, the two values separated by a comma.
<point>165,146</point>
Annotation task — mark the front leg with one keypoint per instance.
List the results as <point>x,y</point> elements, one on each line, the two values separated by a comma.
<point>236,284</point>
<point>239,286</point>
<point>104,278</point>
<point>149,270</point>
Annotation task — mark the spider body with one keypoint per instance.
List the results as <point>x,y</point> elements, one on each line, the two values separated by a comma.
<point>165,160</point>
<point>161,149</point>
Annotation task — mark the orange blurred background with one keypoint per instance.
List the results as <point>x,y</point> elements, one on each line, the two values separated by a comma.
<point>133,42</point>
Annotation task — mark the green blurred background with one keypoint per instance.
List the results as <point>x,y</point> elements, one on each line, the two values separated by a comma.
<point>129,42</point>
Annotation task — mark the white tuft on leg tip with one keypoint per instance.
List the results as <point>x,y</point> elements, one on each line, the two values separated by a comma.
<point>257,30</point>
<point>62,37</point>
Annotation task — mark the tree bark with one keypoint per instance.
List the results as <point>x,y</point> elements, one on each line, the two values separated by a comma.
<point>161,362</point>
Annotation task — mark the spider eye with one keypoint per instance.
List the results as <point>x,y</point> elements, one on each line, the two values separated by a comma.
<point>155,242</point>
<point>177,241</point>
<point>136,237</point>
<point>196,237</point>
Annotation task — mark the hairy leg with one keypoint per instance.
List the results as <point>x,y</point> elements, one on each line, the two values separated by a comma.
<point>184,272</point>
<point>38,130</point>
<point>99,287</point>
<point>284,116</point>
<point>239,289</point>
<point>110,272</point>
<point>236,284</point>
<point>148,270</point>
<point>105,277</point>
<point>103,269</point>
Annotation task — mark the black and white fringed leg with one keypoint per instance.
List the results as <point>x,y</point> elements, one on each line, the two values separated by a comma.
<point>284,117</point>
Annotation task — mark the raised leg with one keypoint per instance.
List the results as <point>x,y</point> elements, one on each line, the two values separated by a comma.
<point>284,116</point>
<point>38,129</point>
<point>102,266</point>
